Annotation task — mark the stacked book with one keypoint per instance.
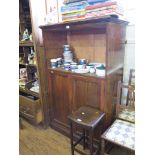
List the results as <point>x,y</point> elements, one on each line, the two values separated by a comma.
<point>100,8</point>
<point>81,9</point>
<point>73,10</point>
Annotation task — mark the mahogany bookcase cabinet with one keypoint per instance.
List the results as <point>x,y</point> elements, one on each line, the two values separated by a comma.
<point>100,40</point>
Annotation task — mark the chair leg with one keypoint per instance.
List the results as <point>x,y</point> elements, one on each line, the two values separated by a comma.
<point>71,137</point>
<point>91,141</point>
<point>102,146</point>
<point>84,140</point>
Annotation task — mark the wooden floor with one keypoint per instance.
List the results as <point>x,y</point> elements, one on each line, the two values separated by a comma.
<point>37,141</point>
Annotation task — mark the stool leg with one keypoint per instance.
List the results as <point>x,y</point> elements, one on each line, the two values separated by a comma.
<point>91,141</point>
<point>84,140</point>
<point>71,137</point>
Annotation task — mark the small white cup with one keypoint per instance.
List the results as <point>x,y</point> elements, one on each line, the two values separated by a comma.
<point>81,66</point>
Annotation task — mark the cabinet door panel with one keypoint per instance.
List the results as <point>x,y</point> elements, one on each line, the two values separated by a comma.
<point>85,92</point>
<point>93,94</point>
<point>60,98</point>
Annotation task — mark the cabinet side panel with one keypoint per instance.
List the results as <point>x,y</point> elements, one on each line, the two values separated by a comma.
<point>111,93</point>
<point>115,46</point>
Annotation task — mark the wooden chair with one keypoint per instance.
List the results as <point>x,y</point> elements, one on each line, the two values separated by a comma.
<point>131,82</point>
<point>87,118</point>
<point>122,131</point>
<point>125,111</point>
<point>132,77</point>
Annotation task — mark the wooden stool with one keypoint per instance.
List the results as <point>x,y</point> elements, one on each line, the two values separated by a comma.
<point>87,118</point>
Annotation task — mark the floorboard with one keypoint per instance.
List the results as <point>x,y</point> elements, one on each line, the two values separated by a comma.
<point>34,140</point>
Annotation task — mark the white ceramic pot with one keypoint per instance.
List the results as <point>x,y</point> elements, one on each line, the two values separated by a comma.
<point>100,72</point>
<point>92,70</point>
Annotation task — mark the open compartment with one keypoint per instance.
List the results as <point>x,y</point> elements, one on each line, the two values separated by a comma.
<point>87,43</point>
<point>28,105</point>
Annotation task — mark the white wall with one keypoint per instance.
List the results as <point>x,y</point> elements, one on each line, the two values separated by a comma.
<point>129,59</point>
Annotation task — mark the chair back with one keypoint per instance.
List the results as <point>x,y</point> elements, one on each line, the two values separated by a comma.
<point>123,98</point>
<point>132,77</point>
<point>131,82</point>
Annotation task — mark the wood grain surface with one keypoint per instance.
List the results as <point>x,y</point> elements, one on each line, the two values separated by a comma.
<point>34,140</point>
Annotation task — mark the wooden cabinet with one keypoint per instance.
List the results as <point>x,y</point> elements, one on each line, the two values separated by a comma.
<point>99,40</point>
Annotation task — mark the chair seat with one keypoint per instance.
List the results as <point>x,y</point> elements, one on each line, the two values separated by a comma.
<point>127,115</point>
<point>121,133</point>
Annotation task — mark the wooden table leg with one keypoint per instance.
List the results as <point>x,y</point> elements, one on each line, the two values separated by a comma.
<point>71,137</point>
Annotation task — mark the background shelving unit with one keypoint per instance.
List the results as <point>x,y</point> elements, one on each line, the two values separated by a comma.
<point>29,99</point>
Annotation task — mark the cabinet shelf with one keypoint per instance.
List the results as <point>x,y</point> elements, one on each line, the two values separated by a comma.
<point>27,91</point>
<point>25,43</point>
<point>93,75</point>
<point>25,64</point>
